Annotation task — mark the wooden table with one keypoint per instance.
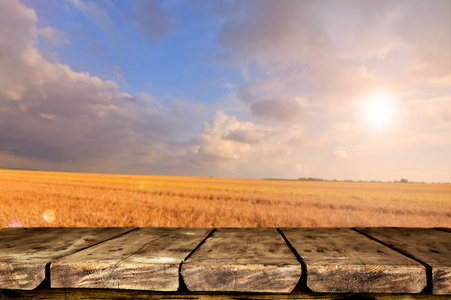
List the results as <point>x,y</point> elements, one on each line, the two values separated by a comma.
<point>225,263</point>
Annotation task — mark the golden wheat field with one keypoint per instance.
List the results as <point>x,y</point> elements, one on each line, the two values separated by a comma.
<point>78,199</point>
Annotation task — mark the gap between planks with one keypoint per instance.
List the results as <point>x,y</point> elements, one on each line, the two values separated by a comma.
<point>300,260</point>
<point>182,285</point>
<point>429,246</point>
<point>26,252</point>
<point>243,260</point>
<point>428,287</point>
<point>146,259</point>
<point>341,260</point>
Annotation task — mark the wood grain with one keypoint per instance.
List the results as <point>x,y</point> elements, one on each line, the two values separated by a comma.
<point>430,246</point>
<point>25,252</point>
<point>443,228</point>
<point>243,259</point>
<point>344,261</point>
<point>96,294</point>
<point>145,259</point>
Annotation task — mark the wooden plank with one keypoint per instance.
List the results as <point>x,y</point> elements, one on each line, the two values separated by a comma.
<point>96,294</point>
<point>444,229</point>
<point>243,259</point>
<point>25,252</point>
<point>145,259</point>
<point>344,261</point>
<point>430,246</point>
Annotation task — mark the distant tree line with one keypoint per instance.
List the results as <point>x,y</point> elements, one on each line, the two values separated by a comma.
<point>312,179</point>
<point>402,180</point>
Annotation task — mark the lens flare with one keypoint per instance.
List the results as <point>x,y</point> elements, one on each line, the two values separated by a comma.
<point>14,223</point>
<point>49,216</point>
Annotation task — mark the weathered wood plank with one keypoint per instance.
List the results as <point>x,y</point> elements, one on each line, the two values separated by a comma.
<point>96,294</point>
<point>243,259</point>
<point>145,259</point>
<point>444,229</point>
<point>430,246</point>
<point>344,261</point>
<point>25,252</point>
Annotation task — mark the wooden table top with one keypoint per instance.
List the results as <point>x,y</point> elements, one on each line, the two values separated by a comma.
<point>204,261</point>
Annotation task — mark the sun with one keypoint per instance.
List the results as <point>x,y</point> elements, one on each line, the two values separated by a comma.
<point>378,110</point>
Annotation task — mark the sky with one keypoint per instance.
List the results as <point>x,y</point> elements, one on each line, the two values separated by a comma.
<point>346,90</point>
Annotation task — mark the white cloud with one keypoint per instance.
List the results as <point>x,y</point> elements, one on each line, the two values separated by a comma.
<point>50,56</point>
<point>340,153</point>
<point>345,48</point>
<point>55,36</point>
<point>303,169</point>
<point>222,140</point>
<point>304,64</point>
<point>229,85</point>
<point>118,71</point>
<point>322,32</point>
<point>269,30</point>
<point>329,55</point>
<point>97,15</point>
<point>228,147</point>
<point>51,114</point>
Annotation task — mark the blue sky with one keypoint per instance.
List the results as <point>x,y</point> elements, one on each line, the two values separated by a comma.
<point>340,90</point>
<point>173,61</point>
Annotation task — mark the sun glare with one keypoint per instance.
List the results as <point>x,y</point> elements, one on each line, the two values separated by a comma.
<point>379,110</point>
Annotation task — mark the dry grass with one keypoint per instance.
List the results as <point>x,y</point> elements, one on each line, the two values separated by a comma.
<point>119,200</point>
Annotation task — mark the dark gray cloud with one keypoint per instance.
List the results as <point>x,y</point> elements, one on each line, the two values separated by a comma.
<point>306,65</point>
<point>272,30</point>
<point>50,113</point>
<point>280,110</point>
<point>95,48</point>
<point>342,44</point>
<point>243,136</point>
<point>118,71</point>
<point>426,27</point>
<point>154,22</point>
